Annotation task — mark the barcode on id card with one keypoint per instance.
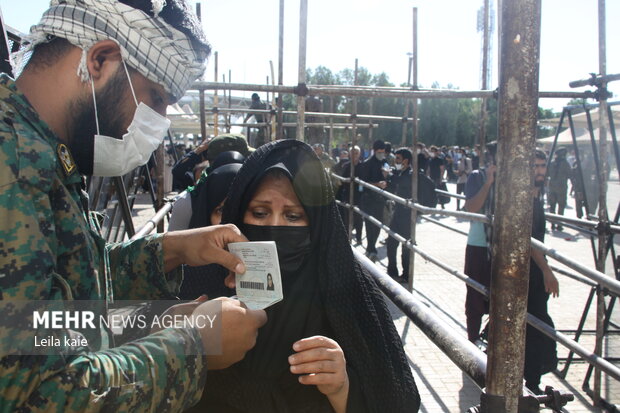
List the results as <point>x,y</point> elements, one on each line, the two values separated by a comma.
<point>252,285</point>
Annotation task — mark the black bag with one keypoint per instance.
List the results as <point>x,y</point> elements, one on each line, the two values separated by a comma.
<point>443,199</point>
<point>426,191</point>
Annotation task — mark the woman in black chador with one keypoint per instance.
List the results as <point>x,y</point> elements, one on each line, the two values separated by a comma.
<point>331,344</point>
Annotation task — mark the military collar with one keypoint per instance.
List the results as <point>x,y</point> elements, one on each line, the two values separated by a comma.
<point>66,164</point>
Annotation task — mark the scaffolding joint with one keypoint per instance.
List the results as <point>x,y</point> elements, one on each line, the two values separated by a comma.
<point>301,89</point>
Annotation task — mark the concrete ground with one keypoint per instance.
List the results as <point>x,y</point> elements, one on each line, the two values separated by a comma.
<point>443,387</point>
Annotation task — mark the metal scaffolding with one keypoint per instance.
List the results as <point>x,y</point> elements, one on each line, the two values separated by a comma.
<point>518,96</point>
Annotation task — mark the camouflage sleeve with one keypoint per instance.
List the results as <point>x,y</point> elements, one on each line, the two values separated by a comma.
<point>137,270</point>
<point>153,374</point>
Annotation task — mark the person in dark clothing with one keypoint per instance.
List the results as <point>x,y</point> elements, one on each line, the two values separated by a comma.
<point>559,174</point>
<point>189,209</point>
<point>540,350</point>
<point>207,206</point>
<point>182,171</point>
<point>374,171</point>
<point>436,171</point>
<point>343,194</point>
<point>400,184</point>
<point>422,157</point>
<point>475,158</point>
<point>261,136</point>
<point>330,304</point>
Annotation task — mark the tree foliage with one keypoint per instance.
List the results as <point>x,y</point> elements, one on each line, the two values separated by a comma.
<point>441,121</point>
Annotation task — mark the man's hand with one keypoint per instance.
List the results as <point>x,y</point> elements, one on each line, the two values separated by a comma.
<point>202,246</point>
<point>491,169</point>
<point>185,309</point>
<point>238,334</point>
<point>381,184</point>
<point>551,283</point>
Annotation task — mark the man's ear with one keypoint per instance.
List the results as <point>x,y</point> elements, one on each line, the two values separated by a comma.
<point>102,60</point>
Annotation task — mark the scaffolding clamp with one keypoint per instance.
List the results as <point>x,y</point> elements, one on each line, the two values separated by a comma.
<point>301,89</point>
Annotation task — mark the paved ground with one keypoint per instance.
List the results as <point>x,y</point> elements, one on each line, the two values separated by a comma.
<point>443,387</point>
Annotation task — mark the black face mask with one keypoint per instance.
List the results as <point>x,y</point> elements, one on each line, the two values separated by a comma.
<point>292,242</point>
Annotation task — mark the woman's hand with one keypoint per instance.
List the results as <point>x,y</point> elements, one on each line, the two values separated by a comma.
<point>321,362</point>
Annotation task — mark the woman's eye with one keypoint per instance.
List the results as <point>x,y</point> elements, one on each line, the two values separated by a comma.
<point>294,217</point>
<point>259,213</point>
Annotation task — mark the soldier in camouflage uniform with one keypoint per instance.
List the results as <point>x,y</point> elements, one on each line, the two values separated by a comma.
<point>48,247</point>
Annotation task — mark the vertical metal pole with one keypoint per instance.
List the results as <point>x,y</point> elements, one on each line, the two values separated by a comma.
<point>512,225</point>
<point>331,124</point>
<point>485,78</point>
<point>352,169</point>
<point>230,102</point>
<point>370,126</point>
<point>403,138</point>
<point>121,193</point>
<point>272,130</point>
<point>280,130</point>
<point>203,120</point>
<point>602,209</point>
<point>216,115</point>
<point>301,100</point>
<point>415,166</point>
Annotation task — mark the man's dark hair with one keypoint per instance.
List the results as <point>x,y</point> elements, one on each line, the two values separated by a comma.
<point>405,153</point>
<point>378,145</point>
<point>388,147</point>
<point>255,96</point>
<point>177,13</point>
<point>540,155</point>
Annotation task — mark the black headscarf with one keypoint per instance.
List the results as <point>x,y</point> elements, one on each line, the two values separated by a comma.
<point>210,192</point>
<point>330,295</point>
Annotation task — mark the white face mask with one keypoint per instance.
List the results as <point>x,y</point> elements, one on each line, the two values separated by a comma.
<point>116,157</point>
<point>418,151</point>
<point>398,166</point>
<point>380,156</point>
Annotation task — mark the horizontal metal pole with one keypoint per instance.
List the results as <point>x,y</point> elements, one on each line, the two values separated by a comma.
<point>602,279</point>
<point>615,229</point>
<point>450,194</point>
<point>315,114</point>
<point>382,278</point>
<point>151,224</point>
<point>574,276</point>
<point>421,208</point>
<point>441,224</point>
<point>464,354</point>
<point>588,356</point>
<point>387,92</point>
<point>407,244</point>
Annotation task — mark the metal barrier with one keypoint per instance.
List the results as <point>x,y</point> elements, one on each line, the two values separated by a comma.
<point>592,277</point>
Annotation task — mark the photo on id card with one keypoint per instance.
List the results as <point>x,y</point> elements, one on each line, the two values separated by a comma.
<point>261,285</point>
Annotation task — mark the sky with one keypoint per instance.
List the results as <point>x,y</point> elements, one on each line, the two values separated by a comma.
<point>380,35</point>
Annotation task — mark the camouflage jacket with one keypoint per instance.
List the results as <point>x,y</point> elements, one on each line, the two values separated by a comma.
<point>49,251</point>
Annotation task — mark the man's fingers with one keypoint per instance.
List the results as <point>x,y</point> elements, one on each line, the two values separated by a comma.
<point>233,234</point>
<point>229,281</point>
<point>231,262</point>
<point>260,316</point>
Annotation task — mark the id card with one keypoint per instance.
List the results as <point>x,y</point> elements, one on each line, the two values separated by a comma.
<point>261,285</point>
